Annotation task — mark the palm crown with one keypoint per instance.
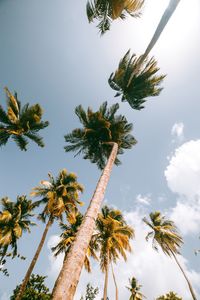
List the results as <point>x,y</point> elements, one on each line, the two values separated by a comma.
<point>68,236</point>
<point>112,235</point>
<point>20,123</point>
<point>135,81</point>
<point>100,130</point>
<point>134,289</point>
<point>14,220</point>
<point>59,194</point>
<point>164,233</point>
<point>107,10</point>
<point>169,296</point>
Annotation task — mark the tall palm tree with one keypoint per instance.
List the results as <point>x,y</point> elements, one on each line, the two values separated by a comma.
<point>113,238</point>
<point>21,123</point>
<point>134,289</point>
<point>164,234</point>
<point>59,195</point>
<point>105,11</point>
<point>68,236</point>
<point>169,296</point>
<point>14,220</point>
<point>135,82</point>
<point>104,136</point>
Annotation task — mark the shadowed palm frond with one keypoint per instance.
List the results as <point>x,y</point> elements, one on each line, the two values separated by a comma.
<point>100,130</point>
<point>135,82</point>
<point>105,11</point>
<point>20,123</point>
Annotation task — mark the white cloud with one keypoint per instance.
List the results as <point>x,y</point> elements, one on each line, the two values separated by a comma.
<point>55,262</point>
<point>178,131</point>
<point>146,199</point>
<point>183,172</point>
<point>157,273</point>
<point>187,217</point>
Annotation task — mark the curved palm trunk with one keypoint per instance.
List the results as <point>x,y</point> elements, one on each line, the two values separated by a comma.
<point>116,287</point>
<point>188,282</point>
<point>105,290</point>
<point>66,283</point>
<point>33,262</point>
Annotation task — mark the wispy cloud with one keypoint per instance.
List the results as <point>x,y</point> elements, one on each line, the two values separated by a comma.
<point>143,199</point>
<point>177,132</point>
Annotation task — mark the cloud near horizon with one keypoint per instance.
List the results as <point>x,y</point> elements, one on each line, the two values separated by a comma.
<point>142,262</point>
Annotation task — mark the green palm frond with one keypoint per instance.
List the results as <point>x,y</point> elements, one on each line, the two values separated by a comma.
<point>105,11</point>
<point>164,234</point>
<point>100,130</point>
<point>15,218</point>
<point>59,195</point>
<point>20,123</point>
<point>134,81</point>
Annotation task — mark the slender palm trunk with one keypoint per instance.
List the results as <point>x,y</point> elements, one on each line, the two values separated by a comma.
<point>105,290</point>
<point>115,282</point>
<point>33,262</point>
<point>66,283</point>
<point>188,282</point>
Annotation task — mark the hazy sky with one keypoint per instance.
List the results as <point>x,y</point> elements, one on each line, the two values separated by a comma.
<point>51,55</point>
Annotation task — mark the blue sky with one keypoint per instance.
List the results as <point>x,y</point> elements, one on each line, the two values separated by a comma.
<point>51,55</point>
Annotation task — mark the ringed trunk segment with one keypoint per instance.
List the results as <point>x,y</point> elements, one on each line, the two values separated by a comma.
<point>33,262</point>
<point>186,278</point>
<point>67,281</point>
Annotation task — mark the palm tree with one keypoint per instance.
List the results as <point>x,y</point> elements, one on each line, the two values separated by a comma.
<point>20,123</point>
<point>68,236</point>
<point>134,289</point>
<point>14,220</point>
<point>105,11</point>
<point>164,234</point>
<point>135,82</point>
<point>103,136</point>
<point>169,296</point>
<point>113,238</point>
<point>59,195</point>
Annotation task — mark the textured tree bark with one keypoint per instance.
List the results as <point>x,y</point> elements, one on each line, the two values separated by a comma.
<point>116,287</point>
<point>33,262</point>
<point>67,281</point>
<point>188,282</point>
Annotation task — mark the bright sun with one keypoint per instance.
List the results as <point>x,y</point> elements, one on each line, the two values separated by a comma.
<point>184,23</point>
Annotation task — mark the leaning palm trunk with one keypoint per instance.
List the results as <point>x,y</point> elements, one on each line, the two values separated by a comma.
<point>105,290</point>
<point>33,262</point>
<point>188,282</point>
<point>115,282</point>
<point>67,281</point>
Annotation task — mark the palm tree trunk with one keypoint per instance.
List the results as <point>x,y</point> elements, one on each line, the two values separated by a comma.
<point>106,279</point>
<point>33,262</point>
<point>67,281</point>
<point>188,282</point>
<point>116,287</point>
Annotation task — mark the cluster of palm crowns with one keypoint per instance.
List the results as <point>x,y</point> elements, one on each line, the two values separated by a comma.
<point>102,233</point>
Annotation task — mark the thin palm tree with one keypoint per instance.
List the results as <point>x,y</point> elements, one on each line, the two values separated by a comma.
<point>164,234</point>
<point>105,11</point>
<point>113,239</point>
<point>134,289</point>
<point>103,137</point>
<point>135,82</point>
<point>60,196</point>
<point>68,236</point>
<point>21,123</point>
<point>14,220</point>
